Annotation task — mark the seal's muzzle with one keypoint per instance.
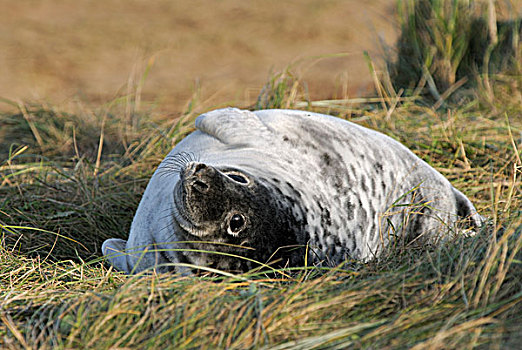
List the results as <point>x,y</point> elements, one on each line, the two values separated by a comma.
<point>198,176</point>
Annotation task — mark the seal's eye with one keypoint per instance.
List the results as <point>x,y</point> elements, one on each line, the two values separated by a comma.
<point>236,224</point>
<point>238,178</point>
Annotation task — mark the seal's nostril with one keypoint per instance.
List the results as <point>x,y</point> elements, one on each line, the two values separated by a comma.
<point>197,170</point>
<point>199,167</point>
<point>200,186</point>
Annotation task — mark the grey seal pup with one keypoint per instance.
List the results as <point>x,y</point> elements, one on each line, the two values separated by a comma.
<point>285,186</point>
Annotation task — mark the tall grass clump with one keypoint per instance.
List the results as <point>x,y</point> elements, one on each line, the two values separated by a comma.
<point>448,43</point>
<point>70,180</point>
<point>281,91</point>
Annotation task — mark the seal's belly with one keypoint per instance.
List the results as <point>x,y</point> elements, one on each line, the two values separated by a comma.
<point>359,189</point>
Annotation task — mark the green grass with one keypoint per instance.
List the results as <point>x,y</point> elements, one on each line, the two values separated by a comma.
<point>70,180</point>
<point>445,44</point>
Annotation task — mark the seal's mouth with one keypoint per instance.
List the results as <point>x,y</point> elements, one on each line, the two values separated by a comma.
<point>181,215</point>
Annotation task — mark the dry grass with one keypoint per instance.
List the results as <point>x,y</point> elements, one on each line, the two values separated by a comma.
<point>69,181</point>
<point>55,212</point>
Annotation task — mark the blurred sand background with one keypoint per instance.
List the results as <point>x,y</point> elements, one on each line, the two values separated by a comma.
<point>58,52</point>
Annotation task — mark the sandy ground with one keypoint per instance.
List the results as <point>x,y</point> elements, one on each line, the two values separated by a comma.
<point>61,51</point>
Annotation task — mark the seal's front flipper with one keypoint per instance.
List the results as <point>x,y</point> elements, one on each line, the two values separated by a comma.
<point>234,126</point>
<point>114,251</point>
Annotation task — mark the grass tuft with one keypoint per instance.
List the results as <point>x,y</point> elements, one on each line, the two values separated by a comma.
<point>449,42</point>
<point>281,91</point>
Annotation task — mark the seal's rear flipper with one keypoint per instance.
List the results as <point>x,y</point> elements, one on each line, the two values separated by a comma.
<point>466,210</point>
<point>114,251</point>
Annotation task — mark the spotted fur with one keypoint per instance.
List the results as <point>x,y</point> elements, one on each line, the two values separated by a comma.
<point>333,187</point>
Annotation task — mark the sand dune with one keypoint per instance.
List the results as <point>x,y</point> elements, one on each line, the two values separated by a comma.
<point>57,51</point>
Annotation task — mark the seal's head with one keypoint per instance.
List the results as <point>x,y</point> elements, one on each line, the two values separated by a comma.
<point>232,216</point>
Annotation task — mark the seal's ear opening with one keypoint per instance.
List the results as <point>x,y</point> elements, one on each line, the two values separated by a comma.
<point>114,251</point>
